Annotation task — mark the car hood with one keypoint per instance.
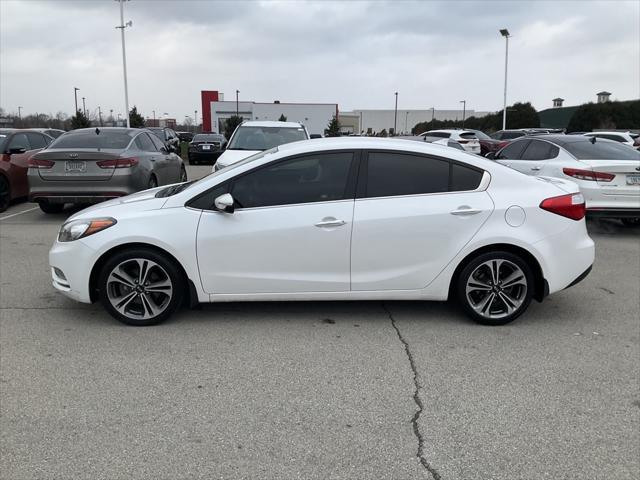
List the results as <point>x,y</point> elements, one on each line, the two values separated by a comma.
<point>233,156</point>
<point>136,202</point>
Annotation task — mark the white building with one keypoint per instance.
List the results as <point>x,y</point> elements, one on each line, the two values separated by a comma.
<point>375,121</point>
<point>315,116</point>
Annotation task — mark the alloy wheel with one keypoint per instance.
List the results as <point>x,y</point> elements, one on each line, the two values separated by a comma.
<point>496,289</point>
<point>139,289</point>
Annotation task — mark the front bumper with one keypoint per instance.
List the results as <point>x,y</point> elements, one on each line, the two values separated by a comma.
<point>71,264</point>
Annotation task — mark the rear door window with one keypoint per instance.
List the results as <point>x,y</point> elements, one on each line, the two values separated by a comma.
<point>513,151</point>
<point>20,140</point>
<point>539,150</point>
<point>37,140</point>
<point>144,143</point>
<point>464,178</point>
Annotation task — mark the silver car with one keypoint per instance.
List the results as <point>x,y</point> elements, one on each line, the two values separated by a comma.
<point>90,165</point>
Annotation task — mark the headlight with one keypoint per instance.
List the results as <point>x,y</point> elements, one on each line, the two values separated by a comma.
<point>76,229</point>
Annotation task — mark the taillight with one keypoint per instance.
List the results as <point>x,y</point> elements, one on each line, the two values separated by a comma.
<point>570,206</point>
<point>118,163</point>
<point>38,163</point>
<point>588,175</point>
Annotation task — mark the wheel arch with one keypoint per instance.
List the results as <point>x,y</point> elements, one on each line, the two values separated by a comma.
<point>191,297</point>
<point>541,287</point>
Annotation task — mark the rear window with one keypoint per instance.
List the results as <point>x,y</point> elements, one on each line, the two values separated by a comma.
<point>468,136</point>
<point>265,138</point>
<point>90,139</point>
<point>601,150</point>
<point>207,138</point>
<point>438,134</point>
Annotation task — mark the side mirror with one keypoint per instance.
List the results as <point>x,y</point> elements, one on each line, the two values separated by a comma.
<point>13,150</point>
<point>224,203</point>
<point>491,155</point>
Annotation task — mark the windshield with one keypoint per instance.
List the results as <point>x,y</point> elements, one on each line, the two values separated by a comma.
<point>118,140</point>
<point>602,150</point>
<point>264,138</point>
<point>207,138</point>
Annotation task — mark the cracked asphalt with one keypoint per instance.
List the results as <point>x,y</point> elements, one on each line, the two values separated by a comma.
<point>393,390</point>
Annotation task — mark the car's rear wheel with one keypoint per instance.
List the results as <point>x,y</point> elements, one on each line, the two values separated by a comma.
<point>5,193</point>
<point>48,207</point>
<point>153,182</point>
<point>192,161</point>
<point>630,222</point>
<point>495,288</point>
<point>139,287</point>
<point>183,174</point>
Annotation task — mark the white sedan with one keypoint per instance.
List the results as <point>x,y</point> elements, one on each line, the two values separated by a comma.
<point>607,172</point>
<point>331,219</point>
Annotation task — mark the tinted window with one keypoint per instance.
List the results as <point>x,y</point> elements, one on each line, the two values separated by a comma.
<point>19,140</point>
<point>464,178</point>
<point>37,140</point>
<point>537,150</point>
<point>510,135</point>
<point>157,142</point>
<point>391,174</point>
<point>438,134</point>
<point>90,139</point>
<point>205,202</point>
<point>513,151</point>
<point>144,143</point>
<point>313,178</point>
<point>264,138</point>
<point>158,132</point>
<point>615,138</point>
<point>208,138</point>
<point>601,150</point>
<point>468,136</point>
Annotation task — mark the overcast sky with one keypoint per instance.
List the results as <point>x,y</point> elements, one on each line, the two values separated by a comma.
<point>354,53</point>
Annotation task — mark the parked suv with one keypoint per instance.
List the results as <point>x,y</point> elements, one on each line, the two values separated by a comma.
<point>466,138</point>
<point>253,137</point>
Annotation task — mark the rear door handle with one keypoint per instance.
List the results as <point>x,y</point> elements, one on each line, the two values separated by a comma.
<point>328,222</point>
<point>465,211</point>
<point>536,168</point>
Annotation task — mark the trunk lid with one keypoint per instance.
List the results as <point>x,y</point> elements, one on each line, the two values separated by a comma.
<point>627,176</point>
<point>77,164</point>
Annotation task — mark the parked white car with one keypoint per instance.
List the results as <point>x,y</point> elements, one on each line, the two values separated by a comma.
<point>254,137</point>
<point>349,218</point>
<point>607,172</point>
<point>627,138</point>
<point>465,138</point>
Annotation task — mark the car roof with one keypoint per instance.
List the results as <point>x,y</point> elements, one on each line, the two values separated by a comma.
<point>265,123</point>
<point>449,130</point>
<point>608,132</point>
<point>561,140</point>
<point>130,131</point>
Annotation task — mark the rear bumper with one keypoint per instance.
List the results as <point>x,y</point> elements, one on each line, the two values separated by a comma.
<point>581,277</point>
<point>205,156</point>
<point>613,212</point>
<point>78,191</point>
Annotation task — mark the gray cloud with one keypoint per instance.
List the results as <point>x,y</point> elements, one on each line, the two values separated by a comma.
<point>353,53</point>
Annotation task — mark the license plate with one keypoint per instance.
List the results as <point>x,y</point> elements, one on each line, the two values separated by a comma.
<point>633,179</point>
<point>206,147</point>
<point>75,166</point>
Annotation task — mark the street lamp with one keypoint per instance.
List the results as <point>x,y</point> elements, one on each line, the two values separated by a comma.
<point>75,94</point>
<point>195,121</point>
<point>122,26</point>
<point>237,109</point>
<point>84,108</point>
<point>100,115</point>
<point>433,116</point>
<point>505,33</point>
<point>154,117</point>
<point>395,114</point>
<point>406,116</point>
<point>19,113</point>
<point>464,110</point>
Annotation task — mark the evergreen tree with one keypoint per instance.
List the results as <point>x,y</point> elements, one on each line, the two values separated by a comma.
<point>230,125</point>
<point>79,120</point>
<point>135,119</point>
<point>282,118</point>
<point>333,129</point>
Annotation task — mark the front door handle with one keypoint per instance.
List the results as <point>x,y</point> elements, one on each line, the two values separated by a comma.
<point>465,211</point>
<point>536,168</point>
<point>328,222</point>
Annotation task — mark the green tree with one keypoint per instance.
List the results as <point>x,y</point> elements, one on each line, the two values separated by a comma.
<point>230,125</point>
<point>610,115</point>
<point>333,129</point>
<point>135,119</point>
<point>282,118</point>
<point>79,120</point>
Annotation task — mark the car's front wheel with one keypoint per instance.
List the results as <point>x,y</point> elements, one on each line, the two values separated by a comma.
<point>48,207</point>
<point>140,287</point>
<point>495,288</point>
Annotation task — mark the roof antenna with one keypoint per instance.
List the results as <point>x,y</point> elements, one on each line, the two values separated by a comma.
<point>97,131</point>
<point>593,140</point>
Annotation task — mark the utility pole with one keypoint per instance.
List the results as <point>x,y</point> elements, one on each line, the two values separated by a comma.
<point>237,104</point>
<point>464,110</point>
<point>75,94</point>
<point>505,33</point>
<point>84,108</point>
<point>154,117</point>
<point>406,116</point>
<point>395,115</point>
<point>19,113</point>
<point>433,116</point>
<point>100,115</point>
<point>122,26</point>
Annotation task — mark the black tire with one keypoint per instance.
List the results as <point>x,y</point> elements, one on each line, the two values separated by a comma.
<point>153,182</point>
<point>183,174</point>
<point>630,222</point>
<point>5,193</point>
<point>136,312</point>
<point>503,304</point>
<point>48,207</point>
<point>192,161</point>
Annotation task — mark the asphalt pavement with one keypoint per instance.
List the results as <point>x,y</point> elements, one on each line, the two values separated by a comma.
<point>352,390</point>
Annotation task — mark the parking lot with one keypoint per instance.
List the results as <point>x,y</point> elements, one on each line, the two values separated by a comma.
<point>318,390</point>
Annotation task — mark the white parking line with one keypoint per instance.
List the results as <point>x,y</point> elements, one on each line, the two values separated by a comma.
<point>19,213</point>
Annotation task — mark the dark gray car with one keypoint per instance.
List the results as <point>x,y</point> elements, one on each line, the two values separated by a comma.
<point>94,164</point>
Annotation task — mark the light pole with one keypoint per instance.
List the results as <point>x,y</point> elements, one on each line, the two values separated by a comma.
<point>406,116</point>
<point>122,26</point>
<point>111,116</point>
<point>100,115</point>
<point>237,108</point>
<point>19,113</point>
<point>464,110</point>
<point>395,114</point>
<point>505,33</point>
<point>433,116</point>
<point>361,126</point>
<point>195,121</point>
<point>84,108</point>
<point>75,94</point>
<point>154,117</point>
